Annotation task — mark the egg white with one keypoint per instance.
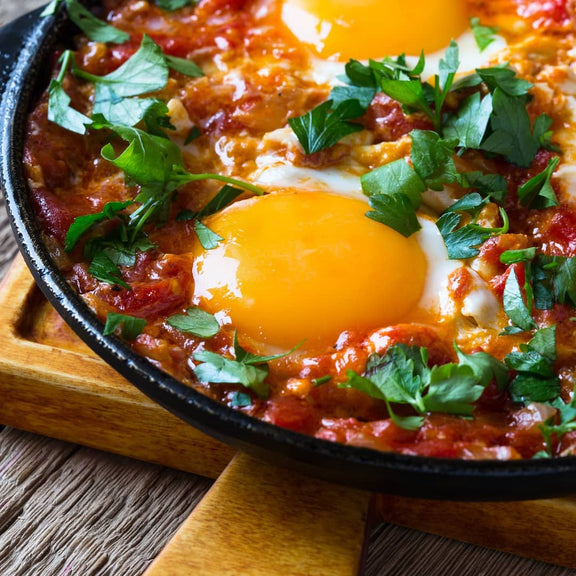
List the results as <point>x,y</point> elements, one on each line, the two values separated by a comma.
<point>479,304</point>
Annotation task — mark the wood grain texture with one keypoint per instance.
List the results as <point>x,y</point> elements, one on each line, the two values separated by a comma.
<point>88,402</point>
<point>37,471</point>
<point>275,522</point>
<point>80,512</point>
<point>543,529</point>
<point>92,405</point>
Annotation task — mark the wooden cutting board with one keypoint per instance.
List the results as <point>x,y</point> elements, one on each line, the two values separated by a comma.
<point>257,519</point>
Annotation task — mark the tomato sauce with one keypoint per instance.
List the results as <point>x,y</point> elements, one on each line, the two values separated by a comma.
<point>235,105</point>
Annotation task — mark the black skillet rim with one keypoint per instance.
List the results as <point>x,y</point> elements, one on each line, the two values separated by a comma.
<point>358,467</point>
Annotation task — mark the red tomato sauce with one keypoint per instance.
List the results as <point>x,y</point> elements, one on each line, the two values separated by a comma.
<point>235,99</point>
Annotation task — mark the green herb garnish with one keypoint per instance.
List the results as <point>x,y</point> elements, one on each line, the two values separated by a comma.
<point>131,327</point>
<point>196,322</point>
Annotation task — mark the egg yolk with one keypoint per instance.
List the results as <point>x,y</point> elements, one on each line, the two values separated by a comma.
<point>363,29</point>
<point>306,266</point>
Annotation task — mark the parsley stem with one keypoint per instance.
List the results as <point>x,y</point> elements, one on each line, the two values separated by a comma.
<point>141,220</point>
<point>66,58</point>
<point>226,180</point>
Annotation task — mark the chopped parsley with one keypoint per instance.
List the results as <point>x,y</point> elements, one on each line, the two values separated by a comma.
<point>172,5</point>
<point>469,125</point>
<point>94,28</point>
<point>59,110</point>
<point>240,400</point>
<point>196,322</point>
<point>561,423</point>
<point>325,125</point>
<point>402,376</point>
<point>194,134</point>
<point>131,327</point>
<point>396,211</point>
<point>549,279</point>
<point>536,380</point>
<point>82,224</point>
<point>317,382</point>
<point>538,192</point>
<point>463,241</point>
<point>249,370</point>
<point>519,311</point>
<point>493,119</point>
<point>484,35</point>
<point>208,238</point>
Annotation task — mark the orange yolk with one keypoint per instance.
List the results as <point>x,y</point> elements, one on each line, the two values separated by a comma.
<point>306,266</point>
<point>363,29</point>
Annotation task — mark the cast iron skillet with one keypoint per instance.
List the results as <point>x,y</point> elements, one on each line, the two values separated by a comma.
<point>25,49</point>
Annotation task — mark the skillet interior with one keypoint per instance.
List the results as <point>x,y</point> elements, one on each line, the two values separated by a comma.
<point>26,46</point>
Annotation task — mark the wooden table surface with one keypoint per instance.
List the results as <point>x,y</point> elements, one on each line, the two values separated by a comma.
<point>68,510</point>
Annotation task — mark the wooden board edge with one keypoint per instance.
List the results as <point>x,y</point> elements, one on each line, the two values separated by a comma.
<point>89,403</point>
<point>236,530</point>
<point>101,410</point>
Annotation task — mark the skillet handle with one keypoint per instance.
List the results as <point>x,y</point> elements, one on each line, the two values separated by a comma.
<point>12,37</point>
<point>259,520</point>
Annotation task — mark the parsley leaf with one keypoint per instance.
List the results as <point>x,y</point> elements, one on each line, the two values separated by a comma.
<point>402,376</point>
<point>512,135</point>
<point>248,369</point>
<point>156,164</point>
<point>543,133</point>
<point>558,275</point>
<point>93,27</point>
<point>410,93</point>
<point>118,246</point>
<point>469,124</point>
<point>514,305</point>
<point>197,322</point>
<point>104,269</point>
<point>396,211</point>
<point>325,125</point>
<point>59,110</point>
<point>172,5</point>
<point>452,390</point>
<point>360,75</point>
<point>209,239</point>
<point>484,35</point>
<point>148,159</point>
<point>493,186</point>
<point>561,423</point>
<point>146,71</point>
<point>82,224</point>
<point>553,278</point>
<point>485,367</point>
<point>240,400</point>
<point>363,95</point>
<point>538,193</point>
<point>504,79</point>
<point>527,388</point>
<point>184,66</point>
<point>131,327</point>
<point>396,177</point>
<point>216,369</point>
<point>126,111</point>
<point>443,82</point>
<point>536,380</point>
<point>194,133</point>
<point>225,196</point>
<point>432,158</point>
<point>517,256</point>
<point>463,242</point>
